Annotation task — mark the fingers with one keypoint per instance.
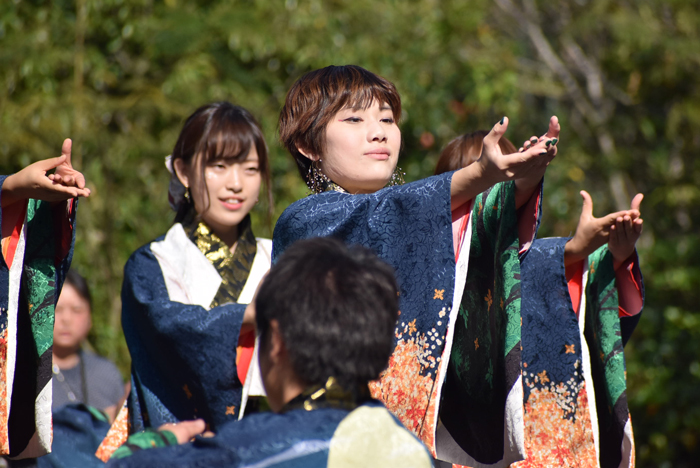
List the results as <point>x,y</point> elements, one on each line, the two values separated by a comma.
<point>636,201</point>
<point>587,208</point>
<point>496,132</point>
<point>554,128</point>
<point>185,430</point>
<point>66,149</point>
<point>51,163</point>
<point>638,225</point>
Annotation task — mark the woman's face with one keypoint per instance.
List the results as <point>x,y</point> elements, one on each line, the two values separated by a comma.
<point>362,148</point>
<point>228,192</point>
<point>72,319</point>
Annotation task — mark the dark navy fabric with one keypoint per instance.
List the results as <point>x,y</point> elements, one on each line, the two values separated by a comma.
<point>183,356</point>
<point>255,438</point>
<point>408,226</point>
<point>549,321</point>
<point>77,432</point>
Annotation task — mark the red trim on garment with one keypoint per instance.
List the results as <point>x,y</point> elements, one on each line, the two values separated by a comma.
<point>244,354</point>
<point>574,280</point>
<point>16,220</point>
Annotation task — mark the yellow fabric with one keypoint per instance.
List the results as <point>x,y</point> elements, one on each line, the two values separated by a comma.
<point>370,436</point>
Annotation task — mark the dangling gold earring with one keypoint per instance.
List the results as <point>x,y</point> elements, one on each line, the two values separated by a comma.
<point>188,199</point>
<point>397,177</point>
<point>317,180</point>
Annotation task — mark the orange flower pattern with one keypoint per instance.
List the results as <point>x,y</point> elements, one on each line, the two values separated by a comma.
<point>116,436</point>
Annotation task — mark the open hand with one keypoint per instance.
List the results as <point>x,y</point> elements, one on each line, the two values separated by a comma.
<point>32,182</point>
<point>625,232</point>
<point>591,232</point>
<point>528,163</point>
<point>65,174</point>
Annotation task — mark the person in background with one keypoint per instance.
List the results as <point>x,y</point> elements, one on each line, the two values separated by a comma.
<point>185,295</point>
<point>38,231</point>
<point>581,300</point>
<point>325,315</point>
<point>80,376</point>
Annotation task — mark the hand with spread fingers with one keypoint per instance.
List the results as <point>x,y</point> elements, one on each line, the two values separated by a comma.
<point>625,232</point>
<point>32,181</point>
<point>592,232</point>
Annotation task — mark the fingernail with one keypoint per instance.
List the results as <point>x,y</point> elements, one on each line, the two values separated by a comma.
<point>503,119</point>
<point>554,141</point>
<point>543,152</point>
<point>548,144</point>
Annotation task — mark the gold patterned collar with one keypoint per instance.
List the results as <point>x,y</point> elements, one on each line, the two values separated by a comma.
<point>233,267</point>
<point>329,395</point>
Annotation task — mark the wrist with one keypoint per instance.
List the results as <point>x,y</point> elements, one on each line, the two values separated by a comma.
<point>573,252</point>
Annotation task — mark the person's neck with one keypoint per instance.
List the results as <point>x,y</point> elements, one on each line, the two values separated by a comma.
<point>228,236</point>
<point>66,358</point>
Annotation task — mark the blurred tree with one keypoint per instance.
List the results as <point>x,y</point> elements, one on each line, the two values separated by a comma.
<point>120,76</point>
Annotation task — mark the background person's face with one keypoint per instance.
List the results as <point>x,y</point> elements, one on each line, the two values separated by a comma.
<point>362,148</point>
<point>232,189</point>
<point>73,321</point>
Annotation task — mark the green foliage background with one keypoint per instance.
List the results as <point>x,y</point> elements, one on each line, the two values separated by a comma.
<point>120,76</point>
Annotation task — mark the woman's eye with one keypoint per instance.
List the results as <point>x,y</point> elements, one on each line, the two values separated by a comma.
<point>353,119</point>
<point>252,169</point>
<point>389,120</point>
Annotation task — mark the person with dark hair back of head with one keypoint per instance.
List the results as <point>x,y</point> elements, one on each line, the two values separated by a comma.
<point>326,317</point>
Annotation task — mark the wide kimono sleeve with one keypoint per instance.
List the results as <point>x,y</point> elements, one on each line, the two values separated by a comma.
<point>409,227</point>
<point>481,412</point>
<point>604,330</point>
<point>37,249</point>
<point>183,355</point>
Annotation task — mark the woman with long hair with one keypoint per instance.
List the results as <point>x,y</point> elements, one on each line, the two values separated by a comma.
<point>185,296</point>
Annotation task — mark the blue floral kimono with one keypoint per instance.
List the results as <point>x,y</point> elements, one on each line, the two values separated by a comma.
<point>573,368</point>
<point>182,327</point>
<point>410,227</point>
<point>37,253</point>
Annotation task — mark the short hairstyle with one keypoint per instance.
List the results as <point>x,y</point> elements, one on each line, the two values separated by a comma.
<point>336,308</point>
<point>317,96</point>
<point>466,149</point>
<point>220,130</point>
<point>76,280</point>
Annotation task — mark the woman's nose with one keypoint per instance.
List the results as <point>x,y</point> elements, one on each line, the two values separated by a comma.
<point>234,179</point>
<point>376,132</point>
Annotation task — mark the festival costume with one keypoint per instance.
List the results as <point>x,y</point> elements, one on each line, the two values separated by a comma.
<point>183,301</point>
<point>573,368</point>
<point>37,248</point>
<point>410,227</point>
<point>324,427</point>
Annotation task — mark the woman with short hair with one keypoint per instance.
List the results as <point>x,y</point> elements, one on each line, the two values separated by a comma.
<point>341,126</point>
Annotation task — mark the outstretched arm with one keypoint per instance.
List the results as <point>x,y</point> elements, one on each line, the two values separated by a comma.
<point>32,182</point>
<point>493,166</point>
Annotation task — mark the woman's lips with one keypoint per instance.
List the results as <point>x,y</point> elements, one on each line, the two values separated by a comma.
<point>378,154</point>
<point>232,203</point>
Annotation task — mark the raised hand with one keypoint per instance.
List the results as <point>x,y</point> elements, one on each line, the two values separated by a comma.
<point>591,232</point>
<point>500,167</point>
<point>625,232</point>
<point>32,182</point>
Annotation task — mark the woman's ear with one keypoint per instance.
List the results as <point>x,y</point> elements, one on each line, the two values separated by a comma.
<point>182,171</point>
<point>308,154</point>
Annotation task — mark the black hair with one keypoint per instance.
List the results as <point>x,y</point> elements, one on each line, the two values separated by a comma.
<point>336,308</point>
<point>76,280</point>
